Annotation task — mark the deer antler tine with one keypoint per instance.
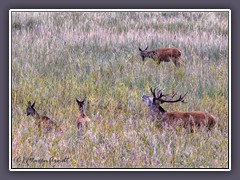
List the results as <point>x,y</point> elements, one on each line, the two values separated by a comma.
<point>155,90</point>
<point>159,93</point>
<point>180,99</point>
<point>185,94</point>
<point>184,97</point>
<point>153,93</point>
<point>173,95</point>
<point>151,90</point>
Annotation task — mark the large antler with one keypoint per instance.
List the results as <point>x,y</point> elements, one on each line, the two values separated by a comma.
<point>153,92</point>
<point>160,95</point>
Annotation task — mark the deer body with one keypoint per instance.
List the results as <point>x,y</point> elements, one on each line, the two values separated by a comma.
<point>42,122</point>
<point>185,119</point>
<point>82,118</point>
<point>162,55</point>
<point>188,120</point>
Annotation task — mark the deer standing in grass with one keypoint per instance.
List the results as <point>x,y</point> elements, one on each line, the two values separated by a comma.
<point>82,118</point>
<point>162,55</point>
<point>42,122</point>
<point>162,118</point>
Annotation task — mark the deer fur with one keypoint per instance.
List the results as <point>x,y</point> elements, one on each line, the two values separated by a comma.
<point>162,55</point>
<point>188,120</point>
<point>42,122</point>
<point>82,118</point>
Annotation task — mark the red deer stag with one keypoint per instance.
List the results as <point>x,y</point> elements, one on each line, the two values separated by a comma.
<point>162,118</point>
<point>42,122</point>
<point>162,55</point>
<point>82,118</point>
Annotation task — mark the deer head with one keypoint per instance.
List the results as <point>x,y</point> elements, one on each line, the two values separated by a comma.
<point>143,53</point>
<point>30,109</point>
<point>81,104</point>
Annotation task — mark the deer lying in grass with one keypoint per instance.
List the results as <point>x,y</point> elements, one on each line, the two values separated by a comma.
<point>82,118</point>
<point>42,122</point>
<point>162,118</point>
<point>162,55</point>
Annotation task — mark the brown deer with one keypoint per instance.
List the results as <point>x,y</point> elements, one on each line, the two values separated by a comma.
<point>82,118</point>
<point>162,118</point>
<point>162,55</point>
<point>42,122</point>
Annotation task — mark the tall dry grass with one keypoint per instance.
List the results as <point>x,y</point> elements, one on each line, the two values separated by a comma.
<point>57,56</point>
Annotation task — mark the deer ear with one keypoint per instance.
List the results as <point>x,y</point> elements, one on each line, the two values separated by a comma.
<point>33,104</point>
<point>29,103</point>
<point>139,49</point>
<point>77,100</point>
<point>153,100</point>
<point>146,48</point>
<point>84,99</point>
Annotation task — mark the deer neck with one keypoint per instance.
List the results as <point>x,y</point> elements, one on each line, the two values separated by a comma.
<point>156,112</point>
<point>161,109</point>
<point>81,112</point>
<point>151,54</point>
<point>36,115</point>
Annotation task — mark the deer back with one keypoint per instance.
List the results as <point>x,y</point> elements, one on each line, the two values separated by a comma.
<point>188,119</point>
<point>164,54</point>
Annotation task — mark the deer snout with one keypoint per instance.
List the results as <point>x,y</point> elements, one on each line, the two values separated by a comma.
<point>144,97</point>
<point>147,100</point>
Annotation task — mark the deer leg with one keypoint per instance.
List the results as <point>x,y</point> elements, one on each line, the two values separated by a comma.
<point>79,132</point>
<point>48,127</point>
<point>157,61</point>
<point>39,129</point>
<point>176,62</point>
<point>211,125</point>
<point>79,128</point>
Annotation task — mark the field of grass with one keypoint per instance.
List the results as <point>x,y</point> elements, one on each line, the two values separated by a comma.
<point>57,56</point>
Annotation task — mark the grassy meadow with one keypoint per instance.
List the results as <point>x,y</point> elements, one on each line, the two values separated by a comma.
<point>60,56</point>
